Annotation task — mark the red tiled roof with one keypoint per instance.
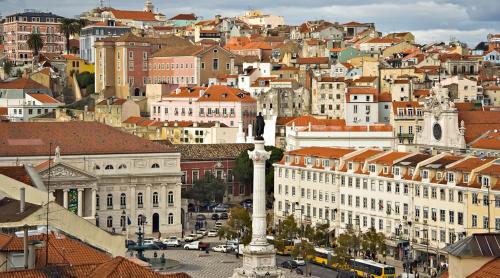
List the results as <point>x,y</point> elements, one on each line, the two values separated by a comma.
<point>313,60</point>
<point>44,98</point>
<point>115,101</point>
<point>16,172</point>
<point>184,17</point>
<point>364,155</point>
<point>22,83</point>
<point>469,164</point>
<point>421,92</point>
<point>478,122</point>
<point>490,141</point>
<point>4,111</point>
<point>385,97</point>
<point>383,40</point>
<point>73,138</point>
<point>493,169</point>
<point>305,120</point>
<point>365,79</point>
<point>489,270</point>
<point>405,104</point>
<point>133,15</point>
<point>225,93</point>
<point>388,159</point>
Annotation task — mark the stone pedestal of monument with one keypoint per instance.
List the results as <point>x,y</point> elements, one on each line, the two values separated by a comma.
<point>259,257</point>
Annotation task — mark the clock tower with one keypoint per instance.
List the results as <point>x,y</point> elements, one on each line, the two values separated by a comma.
<point>440,127</point>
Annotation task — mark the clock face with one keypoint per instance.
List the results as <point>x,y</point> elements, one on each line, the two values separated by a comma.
<point>437,132</point>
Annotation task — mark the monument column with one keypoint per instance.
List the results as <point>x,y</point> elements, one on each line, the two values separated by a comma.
<point>80,202</point>
<point>94,204</point>
<point>259,257</point>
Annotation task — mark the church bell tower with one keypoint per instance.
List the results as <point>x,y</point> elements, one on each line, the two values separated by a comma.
<point>148,6</point>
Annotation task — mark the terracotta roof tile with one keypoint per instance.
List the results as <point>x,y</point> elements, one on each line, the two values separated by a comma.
<point>313,60</point>
<point>89,138</point>
<point>226,94</point>
<point>178,51</point>
<point>469,164</point>
<point>364,155</point>
<point>478,122</point>
<point>44,98</point>
<point>305,120</point>
<point>388,159</point>
<point>197,152</point>
<point>133,15</point>
<point>489,270</point>
<point>490,140</point>
<point>184,17</point>
<point>18,173</point>
<point>22,83</point>
<point>383,40</point>
<point>114,101</point>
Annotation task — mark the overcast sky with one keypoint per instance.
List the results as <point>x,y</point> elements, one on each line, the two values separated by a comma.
<point>429,20</point>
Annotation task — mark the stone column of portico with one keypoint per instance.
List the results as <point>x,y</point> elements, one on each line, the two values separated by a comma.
<point>80,202</point>
<point>132,215</point>
<point>259,257</point>
<point>94,204</point>
<point>65,198</point>
<point>164,208</point>
<point>147,208</point>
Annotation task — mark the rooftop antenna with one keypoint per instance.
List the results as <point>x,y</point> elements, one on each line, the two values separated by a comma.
<point>101,3</point>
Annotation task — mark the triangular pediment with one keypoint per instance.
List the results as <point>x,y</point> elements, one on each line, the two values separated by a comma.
<point>64,170</point>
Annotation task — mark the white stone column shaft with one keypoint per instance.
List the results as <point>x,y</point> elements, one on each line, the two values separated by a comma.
<point>65,198</point>
<point>80,202</point>
<point>132,205</point>
<point>259,156</point>
<point>94,204</point>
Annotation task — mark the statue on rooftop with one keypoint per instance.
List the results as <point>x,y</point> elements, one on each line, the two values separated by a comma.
<point>259,123</point>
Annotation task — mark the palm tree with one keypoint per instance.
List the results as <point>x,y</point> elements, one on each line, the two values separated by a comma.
<point>71,27</point>
<point>35,43</point>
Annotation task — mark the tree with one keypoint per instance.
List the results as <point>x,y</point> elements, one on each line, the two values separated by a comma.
<point>35,43</point>
<point>347,245</point>
<point>320,235</point>
<point>305,250</point>
<point>70,27</point>
<point>207,189</point>
<point>243,169</point>
<point>7,67</point>
<point>373,243</point>
<point>239,226</point>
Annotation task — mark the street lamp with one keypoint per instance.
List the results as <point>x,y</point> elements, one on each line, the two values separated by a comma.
<point>96,216</point>
<point>124,219</point>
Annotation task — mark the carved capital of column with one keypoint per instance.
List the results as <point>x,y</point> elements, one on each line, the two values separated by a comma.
<point>259,155</point>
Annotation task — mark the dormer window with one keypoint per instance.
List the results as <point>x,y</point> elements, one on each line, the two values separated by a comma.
<point>326,163</point>
<point>410,171</point>
<point>287,159</point>
<point>308,161</point>
<point>396,171</point>
<point>451,177</point>
<point>401,112</point>
<point>486,181</point>
<point>349,165</point>
<point>425,174</point>
<point>386,169</point>
<point>318,163</point>
<point>297,160</point>
<point>371,168</point>
<point>439,175</point>
<point>466,177</point>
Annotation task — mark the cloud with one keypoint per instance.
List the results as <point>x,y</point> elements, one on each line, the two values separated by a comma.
<point>465,18</point>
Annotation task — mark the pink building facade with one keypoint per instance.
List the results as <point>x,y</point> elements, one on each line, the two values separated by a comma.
<point>180,70</point>
<point>200,104</point>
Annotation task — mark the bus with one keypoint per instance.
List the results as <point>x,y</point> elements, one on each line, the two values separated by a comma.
<point>372,269</point>
<point>282,248</point>
<point>323,256</point>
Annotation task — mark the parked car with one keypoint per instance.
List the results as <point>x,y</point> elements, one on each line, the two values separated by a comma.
<point>232,244</point>
<point>199,234</point>
<point>196,245</point>
<point>224,216</point>
<point>161,245</point>
<point>218,224</point>
<point>290,264</point>
<point>299,261</point>
<point>247,203</point>
<point>148,242</point>
<point>215,216</point>
<point>190,237</point>
<point>220,248</point>
<point>221,208</point>
<point>212,233</point>
<point>172,242</point>
<point>201,217</point>
<point>204,231</point>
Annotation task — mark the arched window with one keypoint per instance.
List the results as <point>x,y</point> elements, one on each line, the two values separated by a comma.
<point>109,167</point>
<point>170,198</point>
<point>139,219</point>
<point>123,200</point>
<point>109,201</point>
<point>155,166</point>
<point>170,218</point>
<point>109,222</point>
<point>155,199</point>
<point>97,202</point>
<point>122,221</point>
<point>139,200</point>
<point>122,166</point>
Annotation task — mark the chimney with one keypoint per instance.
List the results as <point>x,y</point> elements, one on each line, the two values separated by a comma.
<point>177,91</point>
<point>195,124</point>
<point>25,241</point>
<point>309,126</point>
<point>217,124</point>
<point>22,199</point>
<point>32,254</point>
